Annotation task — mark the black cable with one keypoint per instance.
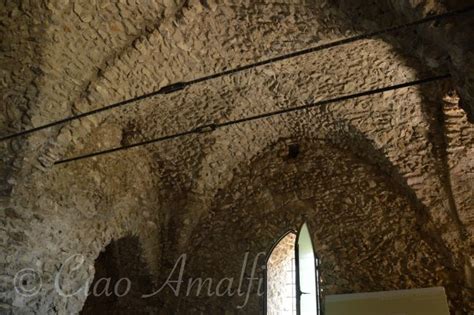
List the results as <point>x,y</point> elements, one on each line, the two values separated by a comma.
<point>181,85</point>
<point>212,127</point>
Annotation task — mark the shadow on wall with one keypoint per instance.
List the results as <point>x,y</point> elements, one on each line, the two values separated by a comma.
<point>121,278</point>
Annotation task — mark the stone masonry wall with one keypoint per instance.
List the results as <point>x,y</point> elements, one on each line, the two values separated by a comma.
<point>393,168</point>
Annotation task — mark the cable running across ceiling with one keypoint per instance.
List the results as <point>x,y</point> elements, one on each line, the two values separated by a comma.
<point>181,85</point>
<point>213,126</point>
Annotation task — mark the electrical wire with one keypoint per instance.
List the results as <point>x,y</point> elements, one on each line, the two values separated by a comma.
<point>213,126</point>
<point>181,85</point>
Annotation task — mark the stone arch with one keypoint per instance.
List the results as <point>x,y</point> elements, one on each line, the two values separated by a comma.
<point>38,199</point>
<point>359,199</point>
<point>144,49</point>
<point>76,216</point>
<point>121,278</point>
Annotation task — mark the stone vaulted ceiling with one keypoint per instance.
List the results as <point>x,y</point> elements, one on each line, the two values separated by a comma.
<point>404,158</point>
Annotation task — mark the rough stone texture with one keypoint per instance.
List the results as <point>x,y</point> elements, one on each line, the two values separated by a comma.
<point>121,260</point>
<point>281,277</point>
<point>395,169</point>
<point>390,241</point>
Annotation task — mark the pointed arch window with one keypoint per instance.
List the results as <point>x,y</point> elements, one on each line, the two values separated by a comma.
<point>292,275</point>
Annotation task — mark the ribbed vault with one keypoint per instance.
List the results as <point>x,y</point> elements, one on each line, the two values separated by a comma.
<point>401,157</point>
<point>368,233</point>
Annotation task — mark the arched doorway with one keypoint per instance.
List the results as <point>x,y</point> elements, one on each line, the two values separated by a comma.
<point>292,275</point>
<point>121,278</point>
<point>281,276</point>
